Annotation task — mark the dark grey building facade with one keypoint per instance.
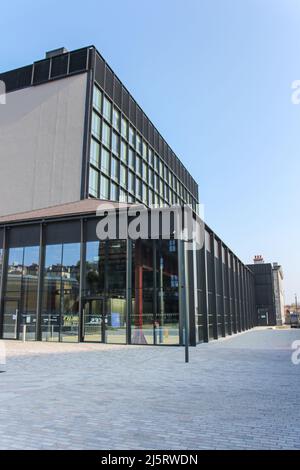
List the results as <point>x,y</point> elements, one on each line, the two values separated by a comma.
<point>75,138</point>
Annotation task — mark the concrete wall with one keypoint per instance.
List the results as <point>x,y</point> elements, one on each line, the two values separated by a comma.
<point>41,142</point>
<point>279,294</point>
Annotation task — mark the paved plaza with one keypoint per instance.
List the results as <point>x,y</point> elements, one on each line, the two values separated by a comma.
<point>239,393</point>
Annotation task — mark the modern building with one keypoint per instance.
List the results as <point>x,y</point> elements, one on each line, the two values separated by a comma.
<point>73,139</point>
<point>269,293</point>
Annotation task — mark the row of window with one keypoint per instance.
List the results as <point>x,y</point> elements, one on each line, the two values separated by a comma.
<point>135,190</point>
<point>132,150</point>
<point>103,294</point>
<point>131,179</point>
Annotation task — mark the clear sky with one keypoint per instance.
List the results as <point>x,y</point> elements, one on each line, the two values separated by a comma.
<point>215,78</point>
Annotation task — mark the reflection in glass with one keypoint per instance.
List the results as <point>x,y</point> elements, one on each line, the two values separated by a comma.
<point>60,307</point>
<point>105,291</point>
<point>20,294</point>
<point>155,316</point>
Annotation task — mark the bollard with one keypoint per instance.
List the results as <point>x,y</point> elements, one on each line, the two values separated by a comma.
<point>24,333</point>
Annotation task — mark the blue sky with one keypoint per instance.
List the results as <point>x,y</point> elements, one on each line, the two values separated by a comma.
<point>215,78</point>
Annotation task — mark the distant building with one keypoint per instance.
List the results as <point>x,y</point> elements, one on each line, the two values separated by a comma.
<point>269,293</point>
<point>278,293</point>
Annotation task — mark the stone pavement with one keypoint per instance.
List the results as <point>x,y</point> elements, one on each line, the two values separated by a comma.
<point>239,393</point>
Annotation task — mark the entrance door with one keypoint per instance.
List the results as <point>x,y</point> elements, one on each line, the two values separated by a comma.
<point>94,321</point>
<point>263,317</point>
<point>10,319</point>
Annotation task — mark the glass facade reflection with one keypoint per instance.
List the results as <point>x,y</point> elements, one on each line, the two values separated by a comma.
<point>105,291</point>
<point>60,300</point>
<point>155,318</point>
<point>117,291</point>
<point>122,143</point>
<point>20,293</point>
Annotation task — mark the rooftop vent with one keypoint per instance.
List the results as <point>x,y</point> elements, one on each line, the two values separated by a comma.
<point>258,259</point>
<point>55,52</point>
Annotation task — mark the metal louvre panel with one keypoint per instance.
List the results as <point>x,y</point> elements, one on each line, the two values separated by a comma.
<point>41,71</point>
<point>16,79</point>
<point>28,235</point>
<point>145,127</point>
<point>78,61</point>
<point>151,133</point>
<point>139,119</point>
<point>59,65</point>
<point>63,232</point>
<point>99,70</point>
<point>160,145</point>
<point>109,82</point>
<point>118,92</point>
<point>132,110</point>
<point>156,140</point>
<point>125,101</point>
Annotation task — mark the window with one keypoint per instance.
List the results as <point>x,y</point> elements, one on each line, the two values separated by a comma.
<point>156,182</point>
<point>150,156</point>
<point>167,193</point>
<point>138,144</point>
<point>113,192</point>
<point>114,168</point>
<point>21,290</point>
<point>105,157</point>
<point>167,174</point>
<point>161,187</point>
<point>94,182</point>
<point>97,99</point>
<point>145,151</point>
<point>104,186</point>
<point>115,145</point>
<point>161,169</point>
<point>124,128</point>
<point>106,134</point>
<point>145,194</point>
<point>151,177</point>
<point>151,197</point>
<point>131,159</point>
<point>138,188</point>
<point>138,165</point>
<point>96,125</point>
<point>145,172</point>
<point>131,181</point>
<point>131,136</point>
<point>60,300</point>
<point>123,173</point>
<point>123,152</point>
<point>95,153</point>
<point>165,171</point>
<point>116,119</point>
<point>156,162</point>
<point>107,109</point>
<point>123,196</point>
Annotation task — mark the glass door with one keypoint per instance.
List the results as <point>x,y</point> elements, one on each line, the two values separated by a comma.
<point>10,319</point>
<point>94,321</point>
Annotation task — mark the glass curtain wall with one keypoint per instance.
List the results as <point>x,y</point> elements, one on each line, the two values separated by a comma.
<point>105,291</point>
<point>20,294</point>
<point>60,304</point>
<point>155,305</point>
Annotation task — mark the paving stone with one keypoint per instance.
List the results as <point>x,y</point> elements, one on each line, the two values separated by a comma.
<point>241,392</point>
